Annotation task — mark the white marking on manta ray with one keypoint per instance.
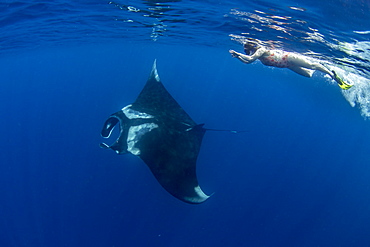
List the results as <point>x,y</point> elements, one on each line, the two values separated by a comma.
<point>155,72</point>
<point>132,114</point>
<point>185,124</point>
<point>201,196</point>
<point>134,135</point>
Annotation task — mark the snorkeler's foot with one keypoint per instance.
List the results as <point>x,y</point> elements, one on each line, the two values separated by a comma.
<point>342,84</point>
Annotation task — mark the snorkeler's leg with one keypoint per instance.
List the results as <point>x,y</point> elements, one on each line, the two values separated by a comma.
<point>308,63</point>
<point>302,71</point>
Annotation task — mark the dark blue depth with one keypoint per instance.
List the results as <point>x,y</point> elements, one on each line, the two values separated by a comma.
<point>299,176</point>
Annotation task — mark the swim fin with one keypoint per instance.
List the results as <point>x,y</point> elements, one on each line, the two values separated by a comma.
<point>342,84</point>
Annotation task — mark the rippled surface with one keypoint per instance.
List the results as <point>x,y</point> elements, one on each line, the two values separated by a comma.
<point>334,31</point>
<point>319,30</point>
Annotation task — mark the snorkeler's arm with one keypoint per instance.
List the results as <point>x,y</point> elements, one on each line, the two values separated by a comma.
<point>248,59</point>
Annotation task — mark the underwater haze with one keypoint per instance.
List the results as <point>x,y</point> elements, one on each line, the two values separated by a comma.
<point>298,176</point>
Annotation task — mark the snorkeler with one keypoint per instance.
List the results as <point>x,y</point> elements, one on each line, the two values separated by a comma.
<point>281,59</point>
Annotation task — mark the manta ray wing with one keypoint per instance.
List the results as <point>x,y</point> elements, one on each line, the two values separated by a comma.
<point>163,135</point>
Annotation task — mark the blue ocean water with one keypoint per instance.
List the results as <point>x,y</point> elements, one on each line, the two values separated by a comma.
<point>300,176</point>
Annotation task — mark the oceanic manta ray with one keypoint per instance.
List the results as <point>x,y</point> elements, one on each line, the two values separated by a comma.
<point>164,136</point>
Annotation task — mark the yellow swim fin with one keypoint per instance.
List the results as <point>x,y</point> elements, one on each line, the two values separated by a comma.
<point>342,84</point>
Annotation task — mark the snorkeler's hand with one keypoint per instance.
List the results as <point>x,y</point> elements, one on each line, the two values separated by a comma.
<point>248,58</point>
<point>234,53</point>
